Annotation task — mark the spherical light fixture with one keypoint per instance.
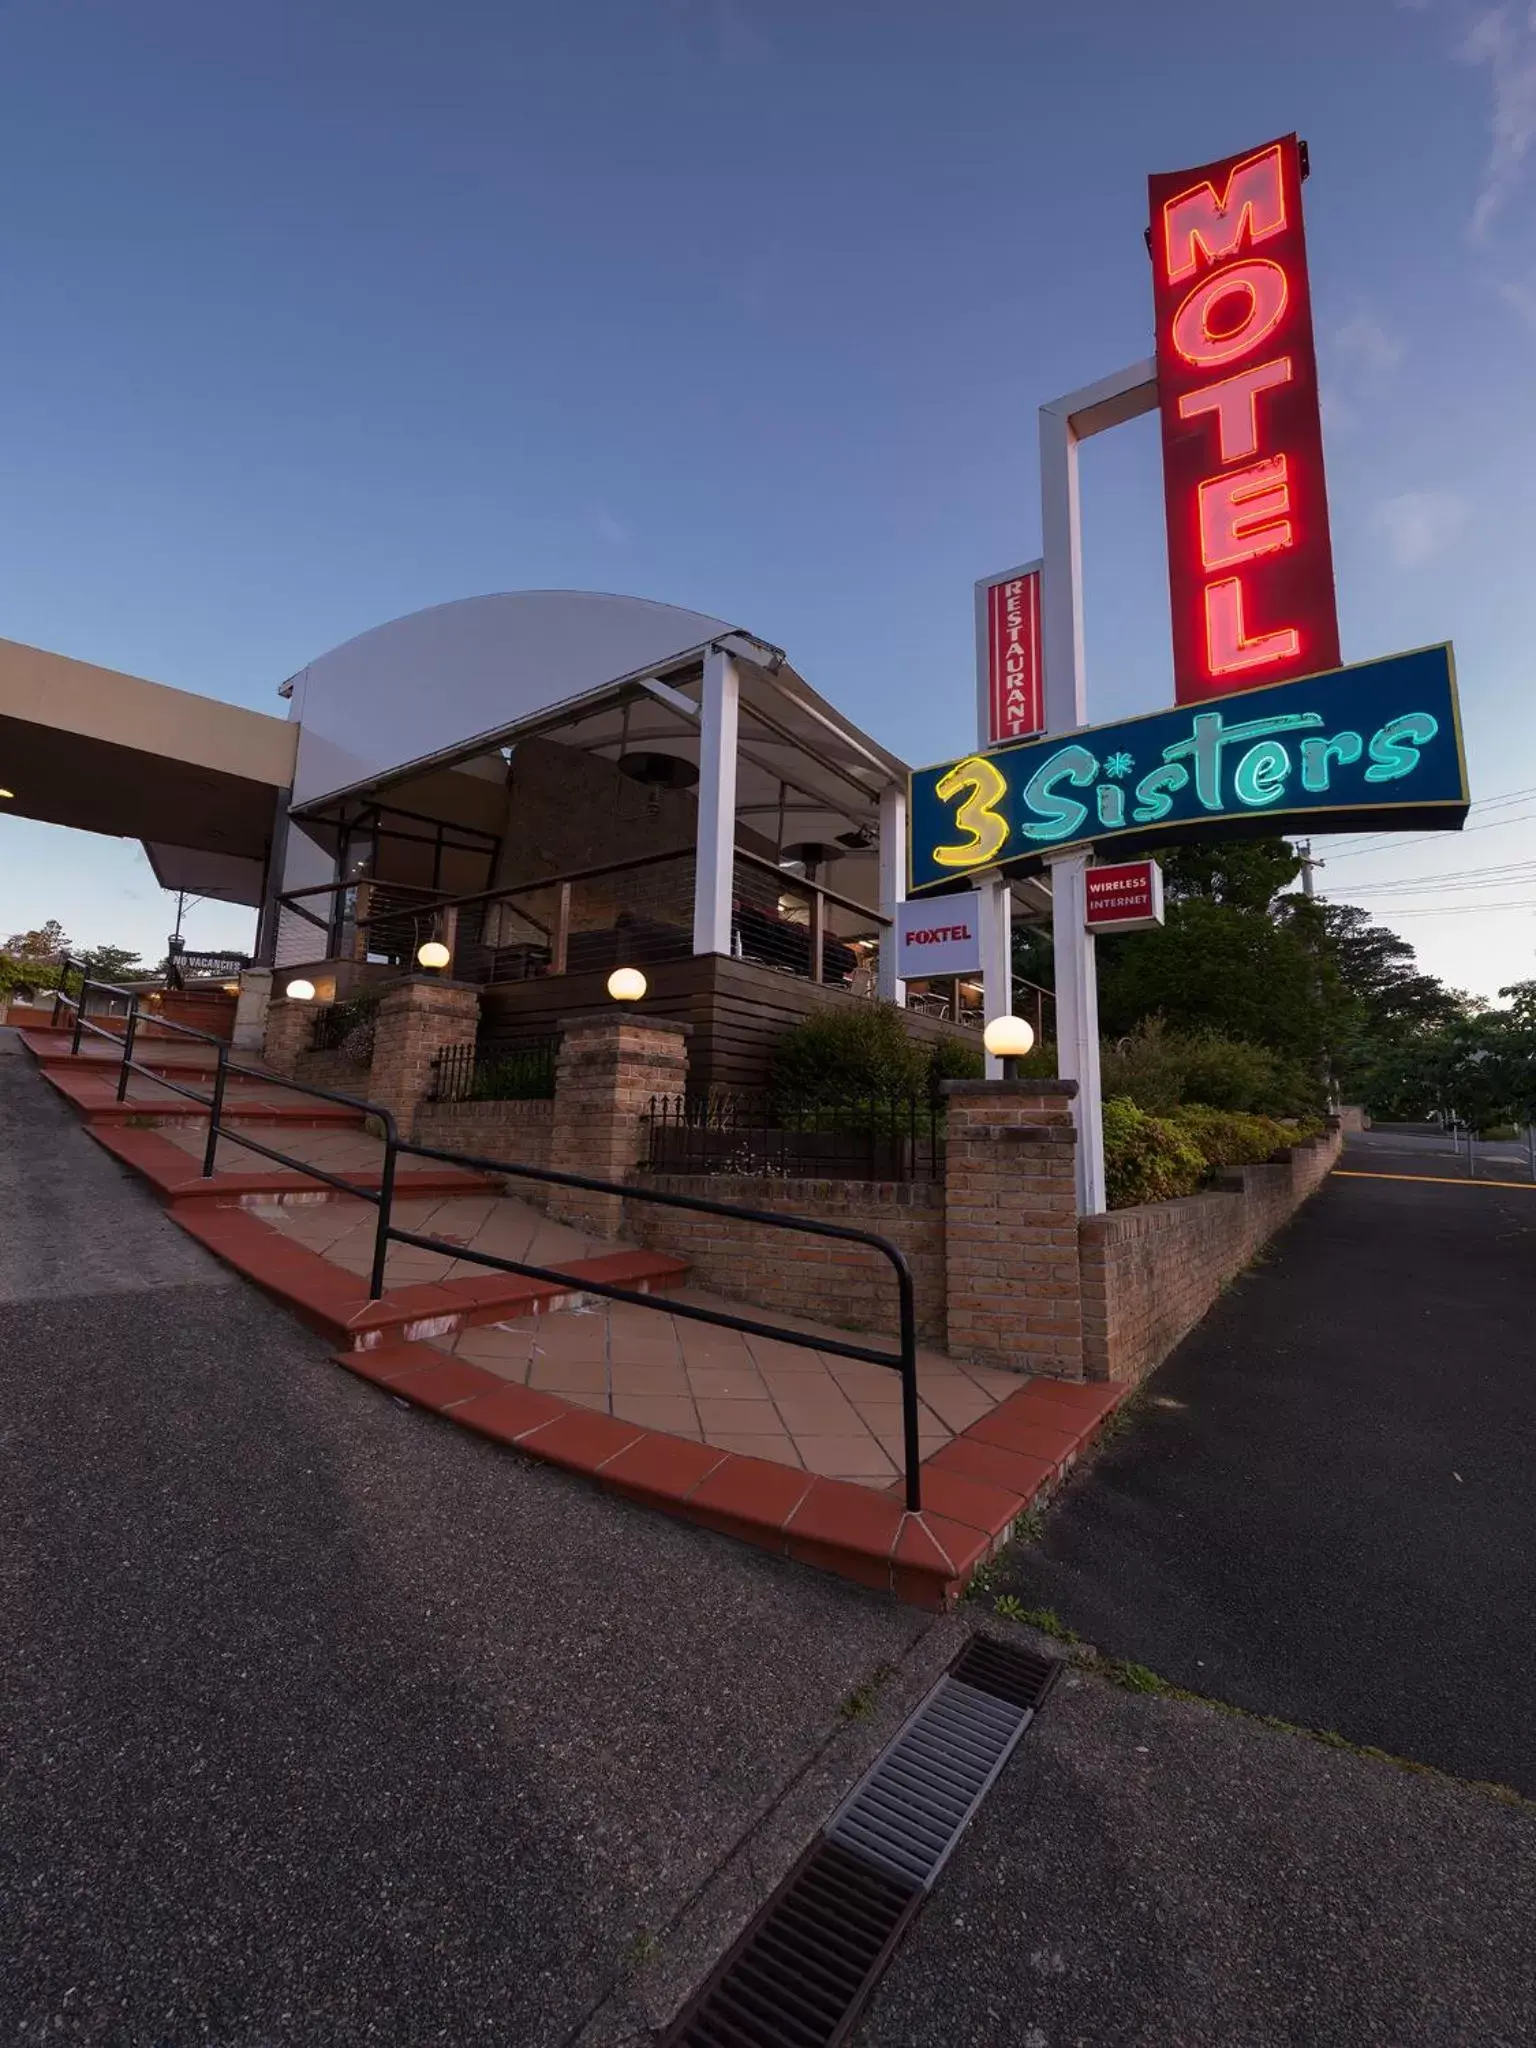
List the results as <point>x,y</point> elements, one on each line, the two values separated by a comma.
<point>1009,1039</point>
<point>626,984</point>
<point>433,954</point>
<point>300,991</point>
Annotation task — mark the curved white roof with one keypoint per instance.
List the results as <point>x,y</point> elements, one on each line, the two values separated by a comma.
<point>426,684</point>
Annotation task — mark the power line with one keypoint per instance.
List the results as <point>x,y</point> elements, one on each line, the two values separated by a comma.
<point>1391,844</point>
<point>1370,842</point>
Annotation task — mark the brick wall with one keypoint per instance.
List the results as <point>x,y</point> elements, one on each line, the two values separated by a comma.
<point>416,1019</point>
<point>795,1274</point>
<point>286,1035</point>
<point>331,1070</point>
<point>610,1066</point>
<point>518,1132</point>
<point>1150,1274</point>
<point>1011,1262</point>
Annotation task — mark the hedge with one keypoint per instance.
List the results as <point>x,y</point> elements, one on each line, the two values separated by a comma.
<point>1158,1158</point>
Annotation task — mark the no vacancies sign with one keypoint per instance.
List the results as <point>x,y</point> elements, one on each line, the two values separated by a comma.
<point>1373,747</point>
<point>942,936</point>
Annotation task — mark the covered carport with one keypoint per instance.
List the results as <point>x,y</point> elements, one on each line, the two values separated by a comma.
<point>201,783</point>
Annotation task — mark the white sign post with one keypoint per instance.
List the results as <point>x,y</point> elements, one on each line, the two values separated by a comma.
<point>1109,403</point>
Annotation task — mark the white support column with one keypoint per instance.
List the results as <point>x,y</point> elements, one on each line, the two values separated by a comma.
<point>1124,396</point>
<point>1077,1020</point>
<point>893,887</point>
<point>996,957</point>
<point>1061,579</point>
<point>714,871</point>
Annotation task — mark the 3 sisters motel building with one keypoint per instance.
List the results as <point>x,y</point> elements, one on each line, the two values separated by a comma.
<point>549,784</point>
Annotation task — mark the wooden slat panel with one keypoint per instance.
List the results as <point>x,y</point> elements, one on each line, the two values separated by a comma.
<point>738,1011</point>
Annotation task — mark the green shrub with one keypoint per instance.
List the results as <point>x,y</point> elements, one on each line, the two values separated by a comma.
<point>1147,1158</point>
<point>953,1060</point>
<point>1231,1138</point>
<point>834,1054</point>
<point>1158,1068</point>
<point>840,1055</point>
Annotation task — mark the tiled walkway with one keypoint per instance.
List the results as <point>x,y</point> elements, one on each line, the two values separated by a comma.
<point>343,1151</point>
<point>342,1232</point>
<point>832,1416</point>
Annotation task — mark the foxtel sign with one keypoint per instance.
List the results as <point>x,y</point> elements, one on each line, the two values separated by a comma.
<point>1369,748</point>
<point>1250,562</point>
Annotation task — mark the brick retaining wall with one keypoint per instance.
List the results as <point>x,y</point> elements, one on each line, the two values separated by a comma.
<point>1150,1274</point>
<point>333,1069</point>
<point>518,1132</point>
<point>789,1272</point>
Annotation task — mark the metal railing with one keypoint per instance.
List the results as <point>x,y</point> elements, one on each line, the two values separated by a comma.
<point>496,1069</point>
<point>902,1361</point>
<point>800,927</point>
<point>386,1232</point>
<point>765,1135</point>
<point>223,1068</point>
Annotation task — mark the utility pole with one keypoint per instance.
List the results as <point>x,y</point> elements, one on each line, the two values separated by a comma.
<point>1309,866</point>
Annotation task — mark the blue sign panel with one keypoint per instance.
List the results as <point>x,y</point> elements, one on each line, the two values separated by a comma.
<point>1376,747</point>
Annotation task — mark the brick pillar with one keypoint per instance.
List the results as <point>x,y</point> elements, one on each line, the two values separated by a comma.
<point>611,1064</point>
<point>1013,1284</point>
<point>287,1032</point>
<point>415,1020</point>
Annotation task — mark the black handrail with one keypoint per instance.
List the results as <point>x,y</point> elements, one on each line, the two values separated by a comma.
<point>902,1361</point>
<point>224,1066</point>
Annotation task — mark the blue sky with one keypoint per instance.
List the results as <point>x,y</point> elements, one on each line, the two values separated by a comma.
<point>318,311</point>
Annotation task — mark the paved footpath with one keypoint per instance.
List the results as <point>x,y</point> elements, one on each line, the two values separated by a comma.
<point>320,1722</point>
<point>1325,1507</point>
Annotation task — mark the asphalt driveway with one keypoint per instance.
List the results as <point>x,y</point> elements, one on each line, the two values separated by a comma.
<point>1324,1506</point>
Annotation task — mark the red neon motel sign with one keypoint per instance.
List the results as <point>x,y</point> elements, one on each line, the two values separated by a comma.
<point>1250,561</point>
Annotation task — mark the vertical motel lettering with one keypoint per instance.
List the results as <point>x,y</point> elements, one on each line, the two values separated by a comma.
<point>1250,562</point>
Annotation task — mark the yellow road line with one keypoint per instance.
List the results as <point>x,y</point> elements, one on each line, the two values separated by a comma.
<point>1438,1180</point>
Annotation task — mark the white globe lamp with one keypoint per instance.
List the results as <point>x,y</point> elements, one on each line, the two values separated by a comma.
<point>300,991</point>
<point>626,984</point>
<point>1010,1040</point>
<point>434,955</point>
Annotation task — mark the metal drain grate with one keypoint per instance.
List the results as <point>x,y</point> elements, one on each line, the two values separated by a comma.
<point>908,1814</point>
<point>799,1976</point>
<point>1007,1671</point>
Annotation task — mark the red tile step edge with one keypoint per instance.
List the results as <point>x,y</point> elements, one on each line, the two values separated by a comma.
<point>51,1049</point>
<point>335,1302</point>
<point>925,1559</point>
<point>95,1096</point>
<point>174,1175</point>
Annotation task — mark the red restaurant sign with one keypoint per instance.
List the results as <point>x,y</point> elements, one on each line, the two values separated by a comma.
<point>1250,562</point>
<point>1008,649</point>
<point>1125,897</point>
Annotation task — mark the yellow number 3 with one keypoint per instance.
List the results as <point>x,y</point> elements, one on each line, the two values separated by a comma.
<point>976,816</point>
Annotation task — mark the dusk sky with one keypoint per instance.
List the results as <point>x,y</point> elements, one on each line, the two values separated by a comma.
<point>320,311</point>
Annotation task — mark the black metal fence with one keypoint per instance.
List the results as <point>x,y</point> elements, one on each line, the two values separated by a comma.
<point>894,1137</point>
<point>346,1027</point>
<point>495,1069</point>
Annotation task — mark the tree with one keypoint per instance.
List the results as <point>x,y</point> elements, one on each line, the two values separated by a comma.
<point>113,963</point>
<point>48,942</point>
<point>1244,874</point>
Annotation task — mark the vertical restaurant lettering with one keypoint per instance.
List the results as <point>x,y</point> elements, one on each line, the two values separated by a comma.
<point>1250,561</point>
<point>1017,691</point>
